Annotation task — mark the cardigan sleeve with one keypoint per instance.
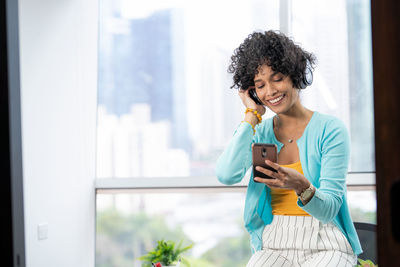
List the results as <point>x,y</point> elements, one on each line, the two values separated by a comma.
<point>233,163</point>
<point>335,155</point>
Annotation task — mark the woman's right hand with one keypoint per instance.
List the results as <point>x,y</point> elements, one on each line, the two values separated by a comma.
<point>248,102</point>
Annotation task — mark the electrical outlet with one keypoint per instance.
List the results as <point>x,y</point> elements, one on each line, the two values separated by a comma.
<point>43,230</point>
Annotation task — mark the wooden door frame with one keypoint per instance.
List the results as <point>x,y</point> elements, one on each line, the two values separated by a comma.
<point>386,66</point>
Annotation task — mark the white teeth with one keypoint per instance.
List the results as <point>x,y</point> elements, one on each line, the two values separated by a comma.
<point>273,101</point>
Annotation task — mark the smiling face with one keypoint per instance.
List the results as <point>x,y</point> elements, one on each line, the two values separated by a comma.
<point>275,90</point>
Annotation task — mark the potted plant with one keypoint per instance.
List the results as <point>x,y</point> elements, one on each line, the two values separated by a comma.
<point>366,263</point>
<point>167,253</point>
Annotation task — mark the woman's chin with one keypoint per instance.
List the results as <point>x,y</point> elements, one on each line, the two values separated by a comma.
<point>277,109</point>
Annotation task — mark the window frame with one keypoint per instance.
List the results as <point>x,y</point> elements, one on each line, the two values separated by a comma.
<point>203,182</point>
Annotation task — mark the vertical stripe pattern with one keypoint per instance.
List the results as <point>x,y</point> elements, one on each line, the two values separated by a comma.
<point>302,241</point>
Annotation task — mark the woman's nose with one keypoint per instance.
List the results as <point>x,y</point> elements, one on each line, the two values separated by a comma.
<point>268,91</point>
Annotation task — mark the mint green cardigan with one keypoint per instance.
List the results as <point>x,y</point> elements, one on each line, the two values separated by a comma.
<point>324,150</point>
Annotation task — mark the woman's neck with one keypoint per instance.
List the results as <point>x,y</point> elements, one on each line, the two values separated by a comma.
<point>297,115</point>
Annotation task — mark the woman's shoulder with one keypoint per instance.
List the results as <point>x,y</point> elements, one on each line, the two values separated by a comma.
<point>329,127</point>
<point>327,121</point>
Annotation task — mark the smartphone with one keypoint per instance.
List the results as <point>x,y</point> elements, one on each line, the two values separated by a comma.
<point>262,152</point>
<point>253,95</point>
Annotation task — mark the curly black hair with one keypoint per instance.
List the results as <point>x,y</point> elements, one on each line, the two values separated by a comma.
<point>274,49</point>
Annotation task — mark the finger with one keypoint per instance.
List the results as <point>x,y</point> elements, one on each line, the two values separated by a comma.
<point>247,92</point>
<point>274,165</point>
<point>267,172</point>
<point>242,94</point>
<point>269,182</point>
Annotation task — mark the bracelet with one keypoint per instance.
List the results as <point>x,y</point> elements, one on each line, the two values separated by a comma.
<point>252,126</point>
<point>255,113</point>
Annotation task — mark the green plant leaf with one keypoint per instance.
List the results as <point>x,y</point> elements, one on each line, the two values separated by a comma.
<point>366,263</point>
<point>165,252</point>
<point>185,261</point>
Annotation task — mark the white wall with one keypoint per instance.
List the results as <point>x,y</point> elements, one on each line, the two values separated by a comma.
<point>58,44</point>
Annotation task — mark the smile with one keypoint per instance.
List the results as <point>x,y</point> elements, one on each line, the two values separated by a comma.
<point>276,101</point>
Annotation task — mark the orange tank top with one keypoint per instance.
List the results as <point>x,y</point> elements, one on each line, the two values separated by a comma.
<point>284,201</point>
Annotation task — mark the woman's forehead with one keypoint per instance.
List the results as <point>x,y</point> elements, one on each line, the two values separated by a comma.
<point>264,70</point>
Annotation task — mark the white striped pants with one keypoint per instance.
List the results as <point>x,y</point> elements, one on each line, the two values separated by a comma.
<point>302,241</point>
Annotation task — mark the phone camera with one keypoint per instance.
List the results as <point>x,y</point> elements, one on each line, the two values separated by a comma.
<point>264,153</point>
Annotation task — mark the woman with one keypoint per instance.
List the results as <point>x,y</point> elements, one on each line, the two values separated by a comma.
<point>301,217</point>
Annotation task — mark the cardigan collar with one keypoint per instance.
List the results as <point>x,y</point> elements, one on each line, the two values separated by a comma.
<point>270,128</point>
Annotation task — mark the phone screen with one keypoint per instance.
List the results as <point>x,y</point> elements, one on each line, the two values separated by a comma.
<point>262,152</point>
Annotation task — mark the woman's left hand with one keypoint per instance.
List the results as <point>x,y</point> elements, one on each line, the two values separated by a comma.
<point>284,178</point>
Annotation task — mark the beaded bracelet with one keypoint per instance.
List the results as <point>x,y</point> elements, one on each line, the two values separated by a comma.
<point>252,126</point>
<point>255,113</point>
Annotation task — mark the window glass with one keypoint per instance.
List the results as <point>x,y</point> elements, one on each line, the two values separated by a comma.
<point>339,34</point>
<point>129,225</point>
<point>362,203</point>
<point>164,103</point>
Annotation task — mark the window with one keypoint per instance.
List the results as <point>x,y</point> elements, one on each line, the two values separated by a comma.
<point>164,91</point>
<point>163,84</point>
<point>129,224</point>
<point>339,33</point>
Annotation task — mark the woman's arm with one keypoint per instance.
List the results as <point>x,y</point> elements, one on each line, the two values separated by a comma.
<point>335,155</point>
<point>236,158</point>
